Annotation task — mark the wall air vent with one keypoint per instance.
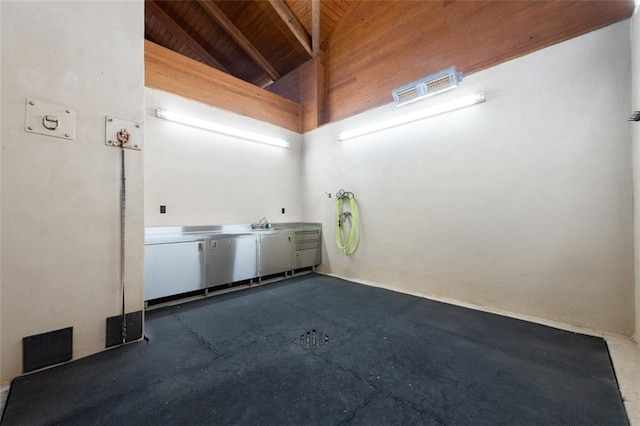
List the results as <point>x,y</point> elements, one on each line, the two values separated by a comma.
<point>435,83</point>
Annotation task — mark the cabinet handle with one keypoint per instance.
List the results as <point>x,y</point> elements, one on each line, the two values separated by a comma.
<point>200,247</point>
<point>289,236</point>
<point>214,245</point>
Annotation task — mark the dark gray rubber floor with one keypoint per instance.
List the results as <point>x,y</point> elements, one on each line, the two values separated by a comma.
<point>391,359</point>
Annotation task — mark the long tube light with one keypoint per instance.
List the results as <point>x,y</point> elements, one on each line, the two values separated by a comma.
<point>414,116</point>
<point>220,128</point>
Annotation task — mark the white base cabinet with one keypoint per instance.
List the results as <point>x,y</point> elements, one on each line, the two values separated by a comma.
<point>173,268</point>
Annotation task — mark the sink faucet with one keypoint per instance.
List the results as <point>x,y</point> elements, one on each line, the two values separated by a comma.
<point>262,224</point>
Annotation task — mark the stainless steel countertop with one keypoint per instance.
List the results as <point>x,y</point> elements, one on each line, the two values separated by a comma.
<point>175,234</point>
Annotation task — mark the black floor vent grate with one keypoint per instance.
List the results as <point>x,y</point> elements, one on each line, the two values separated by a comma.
<point>313,339</point>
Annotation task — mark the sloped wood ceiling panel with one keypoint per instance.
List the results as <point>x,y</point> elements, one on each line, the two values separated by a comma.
<point>331,12</point>
<point>258,22</point>
<point>385,44</point>
<point>196,22</point>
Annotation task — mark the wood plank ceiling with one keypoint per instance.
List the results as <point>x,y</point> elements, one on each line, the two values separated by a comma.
<point>255,40</point>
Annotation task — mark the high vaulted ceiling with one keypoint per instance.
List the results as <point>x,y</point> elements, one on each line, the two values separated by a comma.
<point>325,60</point>
<point>256,41</point>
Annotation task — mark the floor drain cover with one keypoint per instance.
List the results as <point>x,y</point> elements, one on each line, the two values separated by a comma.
<point>313,339</point>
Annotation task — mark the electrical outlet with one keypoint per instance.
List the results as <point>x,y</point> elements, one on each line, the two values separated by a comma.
<point>283,210</point>
<point>163,209</point>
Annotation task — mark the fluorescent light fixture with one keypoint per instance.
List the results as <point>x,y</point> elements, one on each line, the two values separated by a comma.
<point>414,116</point>
<point>220,128</point>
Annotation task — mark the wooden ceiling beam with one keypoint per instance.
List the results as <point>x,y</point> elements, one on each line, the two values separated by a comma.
<point>315,27</point>
<point>182,35</point>
<point>216,13</point>
<point>294,25</point>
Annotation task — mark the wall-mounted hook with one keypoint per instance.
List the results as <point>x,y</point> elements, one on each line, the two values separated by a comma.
<point>123,136</point>
<point>328,194</point>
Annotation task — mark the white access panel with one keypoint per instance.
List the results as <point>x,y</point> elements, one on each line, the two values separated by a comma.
<point>48,119</point>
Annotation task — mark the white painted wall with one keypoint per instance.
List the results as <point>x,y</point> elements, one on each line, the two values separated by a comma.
<point>206,178</point>
<point>635,106</point>
<point>523,203</point>
<point>60,199</point>
<point>1,200</point>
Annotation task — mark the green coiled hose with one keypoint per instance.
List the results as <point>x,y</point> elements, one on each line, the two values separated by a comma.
<point>347,241</point>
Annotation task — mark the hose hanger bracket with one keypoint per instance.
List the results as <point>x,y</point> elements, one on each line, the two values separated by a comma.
<point>344,195</point>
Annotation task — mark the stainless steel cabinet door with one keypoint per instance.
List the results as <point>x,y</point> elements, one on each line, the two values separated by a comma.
<point>276,254</point>
<point>173,268</point>
<point>307,258</point>
<point>232,259</point>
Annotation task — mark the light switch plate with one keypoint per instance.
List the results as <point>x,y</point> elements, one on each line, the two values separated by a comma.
<point>48,119</point>
<point>127,134</point>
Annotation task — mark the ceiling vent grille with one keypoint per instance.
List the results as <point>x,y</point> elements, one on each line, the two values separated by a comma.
<point>435,83</point>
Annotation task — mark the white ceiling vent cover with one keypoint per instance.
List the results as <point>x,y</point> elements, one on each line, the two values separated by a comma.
<point>435,83</point>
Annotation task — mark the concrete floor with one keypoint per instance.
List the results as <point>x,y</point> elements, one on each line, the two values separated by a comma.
<point>625,354</point>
